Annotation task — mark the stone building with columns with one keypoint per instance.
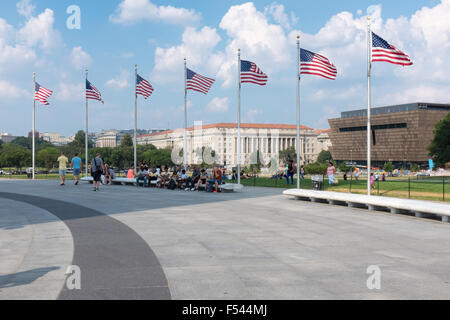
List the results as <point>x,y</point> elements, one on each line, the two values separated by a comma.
<point>269,139</point>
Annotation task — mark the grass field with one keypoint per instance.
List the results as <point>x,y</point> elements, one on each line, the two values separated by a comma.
<point>427,189</point>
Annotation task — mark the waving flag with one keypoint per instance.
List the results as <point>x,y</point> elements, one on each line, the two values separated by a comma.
<point>41,94</point>
<point>316,64</point>
<point>92,92</point>
<point>384,51</point>
<point>197,82</point>
<point>250,73</point>
<point>143,87</point>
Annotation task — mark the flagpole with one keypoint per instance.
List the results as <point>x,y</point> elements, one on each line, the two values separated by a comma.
<point>298,112</point>
<point>185,117</point>
<point>33,127</point>
<point>369,56</point>
<point>135,119</point>
<point>239,119</point>
<point>87,133</point>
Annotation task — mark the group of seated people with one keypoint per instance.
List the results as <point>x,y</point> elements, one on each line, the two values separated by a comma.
<point>179,178</point>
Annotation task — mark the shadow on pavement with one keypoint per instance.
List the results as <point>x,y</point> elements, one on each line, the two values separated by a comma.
<point>24,278</point>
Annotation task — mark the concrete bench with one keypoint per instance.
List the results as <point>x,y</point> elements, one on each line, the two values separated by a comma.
<point>419,208</point>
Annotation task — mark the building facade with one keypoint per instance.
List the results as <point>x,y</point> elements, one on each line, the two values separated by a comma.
<point>269,139</point>
<point>6,137</point>
<point>55,138</point>
<point>113,138</point>
<point>399,133</point>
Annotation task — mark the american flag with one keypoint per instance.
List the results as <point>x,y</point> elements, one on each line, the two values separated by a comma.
<point>197,82</point>
<point>316,64</point>
<point>41,94</point>
<point>250,73</point>
<point>143,87</point>
<point>92,92</point>
<point>384,51</point>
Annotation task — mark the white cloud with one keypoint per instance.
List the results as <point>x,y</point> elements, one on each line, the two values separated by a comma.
<point>80,58</point>
<point>218,105</point>
<point>120,82</point>
<point>132,11</point>
<point>262,42</point>
<point>251,115</point>
<point>25,8</point>
<point>8,90</point>
<point>69,92</point>
<point>278,13</point>
<point>421,93</point>
<point>196,46</point>
<point>38,31</point>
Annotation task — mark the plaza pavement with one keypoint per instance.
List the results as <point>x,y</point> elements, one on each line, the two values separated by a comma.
<point>141,243</point>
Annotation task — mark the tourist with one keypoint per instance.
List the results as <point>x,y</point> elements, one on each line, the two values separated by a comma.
<point>97,170</point>
<point>372,180</point>
<point>331,171</point>
<point>63,161</point>
<point>195,177</point>
<point>130,173</point>
<point>290,172</point>
<point>142,176</point>
<point>203,179</point>
<point>183,177</point>
<point>217,174</point>
<point>76,165</point>
<point>110,174</point>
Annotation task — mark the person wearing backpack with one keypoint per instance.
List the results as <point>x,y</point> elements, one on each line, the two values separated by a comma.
<point>97,168</point>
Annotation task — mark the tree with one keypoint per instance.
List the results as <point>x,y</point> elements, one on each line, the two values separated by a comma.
<point>324,156</point>
<point>388,167</point>
<point>27,143</point>
<point>78,144</point>
<point>288,154</point>
<point>15,156</point>
<point>127,141</point>
<point>158,157</point>
<point>343,167</point>
<point>316,168</point>
<point>47,157</point>
<point>439,147</point>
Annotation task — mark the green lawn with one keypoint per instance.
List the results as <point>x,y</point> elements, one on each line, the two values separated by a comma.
<point>430,188</point>
<point>50,176</point>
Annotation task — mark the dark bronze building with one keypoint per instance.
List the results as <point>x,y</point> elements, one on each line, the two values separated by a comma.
<point>399,133</point>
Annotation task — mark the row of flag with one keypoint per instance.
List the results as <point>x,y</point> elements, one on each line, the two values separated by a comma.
<point>310,63</point>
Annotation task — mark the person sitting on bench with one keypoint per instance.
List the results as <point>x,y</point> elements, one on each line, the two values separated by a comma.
<point>194,179</point>
<point>203,179</point>
<point>217,174</point>
<point>142,176</point>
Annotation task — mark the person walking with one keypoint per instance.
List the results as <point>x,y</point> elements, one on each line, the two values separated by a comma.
<point>302,172</point>
<point>331,171</point>
<point>63,161</point>
<point>76,165</point>
<point>97,169</point>
<point>290,172</point>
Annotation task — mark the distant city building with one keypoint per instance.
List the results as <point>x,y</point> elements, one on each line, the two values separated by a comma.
<point>6,137</point>
<point>113,138</point>
<point>55,138</point>
<point>399,133</point>
<point>36,134</point>
<point>269,139</point>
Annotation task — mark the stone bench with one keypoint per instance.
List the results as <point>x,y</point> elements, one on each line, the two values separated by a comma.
<point>419,208</point>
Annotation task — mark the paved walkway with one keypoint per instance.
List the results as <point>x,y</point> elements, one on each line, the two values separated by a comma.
<point>255,245</point>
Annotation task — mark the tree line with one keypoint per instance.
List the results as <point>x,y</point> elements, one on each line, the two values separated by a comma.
<point>17,153</point>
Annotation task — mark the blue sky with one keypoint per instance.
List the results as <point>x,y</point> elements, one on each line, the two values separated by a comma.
<point>156,35</point>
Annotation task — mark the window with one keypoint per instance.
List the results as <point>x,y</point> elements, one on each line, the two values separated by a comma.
<point>376,127</point>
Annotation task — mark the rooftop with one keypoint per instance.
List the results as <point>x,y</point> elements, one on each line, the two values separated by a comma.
<point>234,125</point>
<point>396,108</point>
